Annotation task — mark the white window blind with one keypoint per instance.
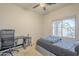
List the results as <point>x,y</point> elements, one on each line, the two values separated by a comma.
<point>65,27</point>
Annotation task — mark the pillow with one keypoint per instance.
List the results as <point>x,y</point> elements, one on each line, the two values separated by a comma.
<point>53,39</point>
<point>45,40</point>
<point>76,44</point>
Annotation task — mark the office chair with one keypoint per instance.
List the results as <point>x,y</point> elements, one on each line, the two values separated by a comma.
<point>7,40</point>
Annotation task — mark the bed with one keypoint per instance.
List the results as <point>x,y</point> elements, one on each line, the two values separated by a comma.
<point>59,48</point>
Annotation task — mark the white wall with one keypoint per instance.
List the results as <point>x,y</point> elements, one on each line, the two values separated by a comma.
<point>71,10</point>
<point>23,21</point>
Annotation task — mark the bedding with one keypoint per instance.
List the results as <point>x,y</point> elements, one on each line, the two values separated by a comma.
<point>60,48</point>
<point>51,38</point>
<point>45,41</point>
<point>43,51</point>
<point>67,44</point>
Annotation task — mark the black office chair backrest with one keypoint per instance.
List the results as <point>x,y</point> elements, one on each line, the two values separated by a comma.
<point>7,38</point>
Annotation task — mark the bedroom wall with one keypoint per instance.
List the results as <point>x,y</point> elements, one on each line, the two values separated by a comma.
<point>71,10</point>
<point>37,25</point>
<point>23,21</point>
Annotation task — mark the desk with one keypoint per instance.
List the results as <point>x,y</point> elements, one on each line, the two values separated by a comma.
<point>26,40</point>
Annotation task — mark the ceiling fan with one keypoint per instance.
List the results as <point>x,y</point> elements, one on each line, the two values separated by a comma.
<point>43,5</point>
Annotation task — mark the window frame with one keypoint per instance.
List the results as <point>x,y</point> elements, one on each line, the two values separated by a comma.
<point>62,25</point>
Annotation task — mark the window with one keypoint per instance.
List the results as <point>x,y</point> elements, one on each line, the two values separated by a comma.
<point>57,28</point>
<point>65,28</point>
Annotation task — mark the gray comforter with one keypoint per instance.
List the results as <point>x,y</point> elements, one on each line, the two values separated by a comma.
<point>55,49</point>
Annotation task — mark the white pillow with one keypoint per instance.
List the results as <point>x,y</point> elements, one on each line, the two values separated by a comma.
<point>53,38</point>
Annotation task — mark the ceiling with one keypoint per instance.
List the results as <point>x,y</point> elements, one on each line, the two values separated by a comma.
<point>50,8</point>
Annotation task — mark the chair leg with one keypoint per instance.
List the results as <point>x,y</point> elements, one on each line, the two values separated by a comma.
<point>5,53</point>
<point>9,51</point>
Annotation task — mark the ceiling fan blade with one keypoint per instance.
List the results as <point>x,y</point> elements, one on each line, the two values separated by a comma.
<point>36,5</point>
<point>50,3</point>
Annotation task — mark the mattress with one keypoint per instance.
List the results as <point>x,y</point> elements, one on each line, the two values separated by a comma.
<point>44,51</point>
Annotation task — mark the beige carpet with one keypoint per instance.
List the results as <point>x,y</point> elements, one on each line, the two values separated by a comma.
<point>29,51</point>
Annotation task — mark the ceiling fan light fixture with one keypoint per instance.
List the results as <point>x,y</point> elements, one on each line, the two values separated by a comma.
<point>42,4</point>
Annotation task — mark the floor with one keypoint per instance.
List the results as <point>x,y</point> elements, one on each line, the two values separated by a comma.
<point>29,51</point>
